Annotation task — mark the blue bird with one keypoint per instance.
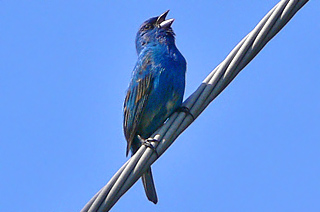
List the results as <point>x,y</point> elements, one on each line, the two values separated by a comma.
<point>156,89</point>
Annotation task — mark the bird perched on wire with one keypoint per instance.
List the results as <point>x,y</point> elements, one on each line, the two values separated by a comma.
<point>156,89</point>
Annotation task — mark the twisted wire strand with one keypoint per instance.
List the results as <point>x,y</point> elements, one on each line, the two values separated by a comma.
<point>210,88</point>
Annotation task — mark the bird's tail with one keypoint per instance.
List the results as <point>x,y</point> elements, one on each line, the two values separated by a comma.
<point>149,186</point>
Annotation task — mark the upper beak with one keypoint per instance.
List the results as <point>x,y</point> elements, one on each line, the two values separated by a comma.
<point>162,22</point>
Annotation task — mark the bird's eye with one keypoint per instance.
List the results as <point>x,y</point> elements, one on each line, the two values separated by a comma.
<point>146,27</point>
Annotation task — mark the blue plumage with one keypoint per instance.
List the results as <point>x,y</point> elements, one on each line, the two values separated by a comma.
<point>156,89</point>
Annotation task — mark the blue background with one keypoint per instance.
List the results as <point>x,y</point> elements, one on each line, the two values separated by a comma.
<point>65,67</point>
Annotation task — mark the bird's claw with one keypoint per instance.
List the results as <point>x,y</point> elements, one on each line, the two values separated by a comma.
<point>186,110</point>
<point>147,143</point>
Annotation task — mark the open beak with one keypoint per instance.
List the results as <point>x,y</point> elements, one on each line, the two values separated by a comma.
<point>162,22</point>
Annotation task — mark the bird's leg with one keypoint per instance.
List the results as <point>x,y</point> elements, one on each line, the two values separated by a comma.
<point>185,110</point>
<point>147,143</point>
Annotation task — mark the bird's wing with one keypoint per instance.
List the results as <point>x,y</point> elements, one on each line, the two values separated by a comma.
<point>136,99</point>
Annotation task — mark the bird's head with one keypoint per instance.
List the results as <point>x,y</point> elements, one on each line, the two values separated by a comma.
<point>154,30</point>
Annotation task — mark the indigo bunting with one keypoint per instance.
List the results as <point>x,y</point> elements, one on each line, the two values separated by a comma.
<point>156,89</point>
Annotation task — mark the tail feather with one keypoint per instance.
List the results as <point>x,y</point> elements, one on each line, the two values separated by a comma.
<point>149,186</point>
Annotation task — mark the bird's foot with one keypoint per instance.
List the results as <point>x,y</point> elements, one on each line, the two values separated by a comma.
<point>147,143</point>
<point>186,110</point>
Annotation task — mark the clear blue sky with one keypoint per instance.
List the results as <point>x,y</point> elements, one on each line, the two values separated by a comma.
<point>65,67</point>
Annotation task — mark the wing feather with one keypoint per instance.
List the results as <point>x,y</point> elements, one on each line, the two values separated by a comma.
<point>136,99</point>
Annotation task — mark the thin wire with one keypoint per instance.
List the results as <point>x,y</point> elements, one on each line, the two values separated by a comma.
<point>210,88</point>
